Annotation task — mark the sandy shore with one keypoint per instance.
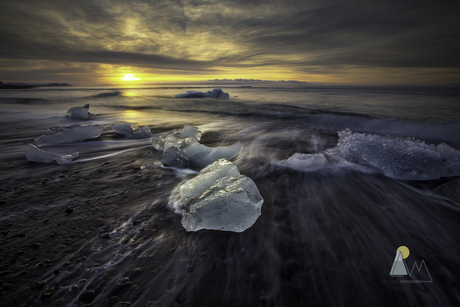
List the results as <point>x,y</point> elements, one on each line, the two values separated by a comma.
<point>99,233</point>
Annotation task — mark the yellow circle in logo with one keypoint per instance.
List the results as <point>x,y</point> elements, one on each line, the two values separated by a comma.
<point>404,251</point>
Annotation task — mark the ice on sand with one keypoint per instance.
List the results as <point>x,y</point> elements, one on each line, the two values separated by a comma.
<point>177,138</point>
<point>201,155</point>
<point>207,177</point>
<point>401,158</point>
<point>187,140</point>
<point>175,157</point>
<point>299,160</point>
<point>215,93</point>
<point>37,155</point>
<point>70,134</point>
<point>79,112</point>
<point>132,130</point>
<point>218,198</point>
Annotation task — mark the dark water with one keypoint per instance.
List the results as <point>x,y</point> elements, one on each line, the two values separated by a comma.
<point>326,236</point>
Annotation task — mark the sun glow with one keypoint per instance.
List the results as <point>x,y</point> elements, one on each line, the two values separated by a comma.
<point>130,77</point>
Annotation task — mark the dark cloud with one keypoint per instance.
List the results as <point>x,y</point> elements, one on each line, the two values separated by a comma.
<point>206,36</point>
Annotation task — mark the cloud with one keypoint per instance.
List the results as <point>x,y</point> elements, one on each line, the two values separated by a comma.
<point>214,36</point>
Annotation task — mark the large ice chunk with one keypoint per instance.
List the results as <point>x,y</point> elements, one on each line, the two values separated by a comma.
<point>70,134</point>
<point>132,130</point>
<point>37,155</point>
<point>79,112</point>
<point>206,178</point>
<point>302,161</point>
<point>215,93</point>
<point>402,158</point>
<point>231,204</point>
<point>201,155</point>
<point>177,138</point>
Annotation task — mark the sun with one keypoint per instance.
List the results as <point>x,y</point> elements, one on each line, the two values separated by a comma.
<point>130,77</point>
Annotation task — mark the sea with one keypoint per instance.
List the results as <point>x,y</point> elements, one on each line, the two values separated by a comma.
<point>327,234</point>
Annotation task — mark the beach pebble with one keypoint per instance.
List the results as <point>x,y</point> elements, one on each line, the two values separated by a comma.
<point>112,301</point>
<point>86,297</point>
<point>47,294</point>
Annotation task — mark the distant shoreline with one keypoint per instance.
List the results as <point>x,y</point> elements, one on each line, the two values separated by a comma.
<point>19,85</point>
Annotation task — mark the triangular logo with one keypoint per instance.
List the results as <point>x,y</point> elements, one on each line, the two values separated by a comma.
<point>398,268</point>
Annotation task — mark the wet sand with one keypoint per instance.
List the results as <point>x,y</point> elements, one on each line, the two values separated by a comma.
<point>99,232</point>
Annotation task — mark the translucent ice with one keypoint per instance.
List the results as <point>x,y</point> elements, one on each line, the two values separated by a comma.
<point>206,178</point>
<point>177,138</point>
<point>299,160</point>
<point>198,154</point>
<point>132,130</point>
<point>79,112</point>
<point>201,155</point>
<point>70,134</point>
<point>231,204</point>
<point>37,155</point>
<point>215,93</point>
<point>401,158</point>
<point>175,157</point>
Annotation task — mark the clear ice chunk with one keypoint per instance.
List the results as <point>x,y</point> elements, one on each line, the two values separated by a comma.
<point>401,158</point>
<point>231,204</point>
<point>70,134</point>
<point>215,93</point>
<point>79,112</point>
<point>201,155</point>
<point>175,157</point>
<point>38,155</point>
<point>177,138</point>
<point>299,160</point>
<point>206,178</point>
<point>132,130</point>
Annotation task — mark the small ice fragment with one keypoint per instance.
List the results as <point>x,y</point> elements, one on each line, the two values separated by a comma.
<point>37,155</point>
<point>175,157</point>
<point>79,112</point>
<point>231,204</point>
<point>132,130</point>
<point>206,178</point>
<point>177,138</point>
<point>215,93</point>
<point>299,160</point>
<point>201,155</point>
<point>70,134</point>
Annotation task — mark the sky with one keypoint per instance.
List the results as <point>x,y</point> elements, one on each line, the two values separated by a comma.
<point>154,41</point>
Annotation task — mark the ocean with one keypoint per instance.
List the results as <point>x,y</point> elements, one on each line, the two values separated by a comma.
<point>327,234</point>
